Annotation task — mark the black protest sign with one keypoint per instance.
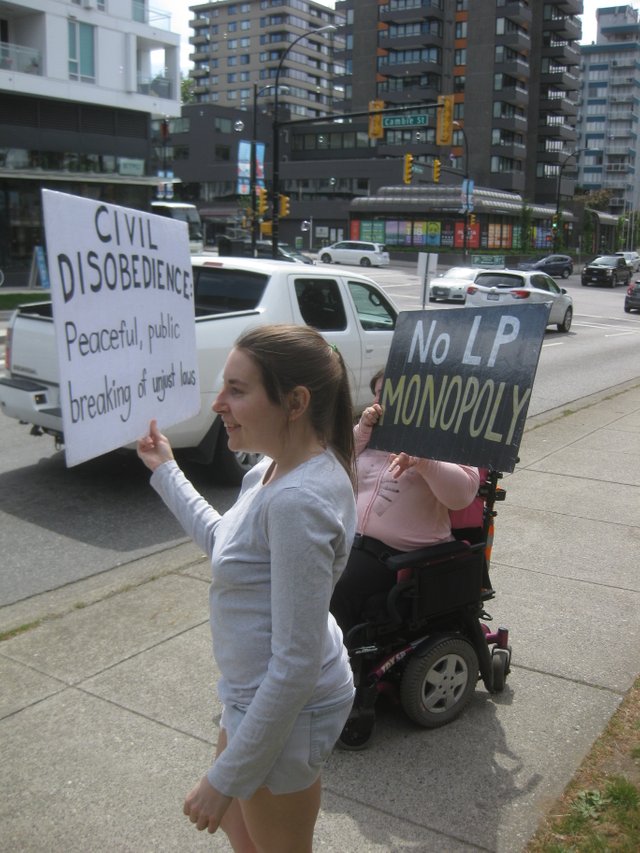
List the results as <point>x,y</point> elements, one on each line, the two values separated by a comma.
<point>457,383</point>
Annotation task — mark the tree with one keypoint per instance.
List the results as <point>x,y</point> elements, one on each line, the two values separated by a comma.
<point>186,90</point>
<point>596,200</point>
<point>526,224</point>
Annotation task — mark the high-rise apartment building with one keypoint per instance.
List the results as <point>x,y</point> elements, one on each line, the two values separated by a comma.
<point>237,45</point>
<point>79,81</point>
<point>512,66</point>
<point>610,109</point>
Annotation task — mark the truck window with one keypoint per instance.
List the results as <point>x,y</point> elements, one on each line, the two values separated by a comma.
<point>374,312</point>
<point>218,291</point>
<point>320,304</point>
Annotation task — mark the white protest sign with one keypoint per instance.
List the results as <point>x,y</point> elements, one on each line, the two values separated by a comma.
<point>122,297</point>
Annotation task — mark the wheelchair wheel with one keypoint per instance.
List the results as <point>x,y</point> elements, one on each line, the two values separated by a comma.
<point>357,732</point>
<point>438,684</point>
<point>500,668</point>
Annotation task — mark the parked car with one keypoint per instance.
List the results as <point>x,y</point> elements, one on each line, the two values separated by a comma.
<point>504,287</point>
<point>561,265</point>
<point>452,284</point>
<point>355,252</point>
<point>632,297</point>
<point>610,270</point>
<point>632,259</point>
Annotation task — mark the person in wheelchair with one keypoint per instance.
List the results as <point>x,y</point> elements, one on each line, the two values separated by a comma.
<point>403,504</point>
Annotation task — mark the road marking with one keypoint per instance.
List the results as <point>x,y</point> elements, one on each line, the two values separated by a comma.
<point>621,334</point>
<point>555,344</point>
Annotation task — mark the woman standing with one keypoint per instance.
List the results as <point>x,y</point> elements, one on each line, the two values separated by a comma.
<point>286,683</point>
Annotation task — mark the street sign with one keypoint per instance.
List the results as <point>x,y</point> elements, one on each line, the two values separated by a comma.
<point>487,260</point>
<point>421,120</point>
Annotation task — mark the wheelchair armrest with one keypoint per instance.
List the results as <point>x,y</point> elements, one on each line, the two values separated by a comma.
<point>423,557</point>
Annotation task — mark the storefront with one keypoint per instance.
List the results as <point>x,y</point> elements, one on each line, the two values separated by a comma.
<point>431,217</point>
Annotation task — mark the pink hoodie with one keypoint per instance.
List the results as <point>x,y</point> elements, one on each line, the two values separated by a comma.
<point>412,511</point>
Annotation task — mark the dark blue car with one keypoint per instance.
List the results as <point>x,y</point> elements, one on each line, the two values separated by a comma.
<point>559,265</point>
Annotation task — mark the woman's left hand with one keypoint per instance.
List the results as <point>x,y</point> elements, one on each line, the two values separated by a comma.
<point>205,806</point>
<point>401,463</point>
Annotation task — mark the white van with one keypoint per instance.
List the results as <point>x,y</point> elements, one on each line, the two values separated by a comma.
<point>355,252</point>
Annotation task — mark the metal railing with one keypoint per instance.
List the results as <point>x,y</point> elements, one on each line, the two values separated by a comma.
<point>159,85</point>
<point>143,14</point>
<point>15,57</point>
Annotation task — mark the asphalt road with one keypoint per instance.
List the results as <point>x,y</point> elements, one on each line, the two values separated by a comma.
<point>58,525</point>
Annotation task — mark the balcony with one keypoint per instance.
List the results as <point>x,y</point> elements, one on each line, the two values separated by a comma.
<point>566,26</point>
<point>517,40</point>
<point>516,95</point>
<point>558,104</point>
<point>142,14</point>
<point>560,77</point>
<point>508,181</point>
<point>516,10</point>
<point>15,57</point>
<point>159,86</point>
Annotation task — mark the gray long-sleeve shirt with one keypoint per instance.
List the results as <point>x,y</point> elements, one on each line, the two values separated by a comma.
<point>276,556</point>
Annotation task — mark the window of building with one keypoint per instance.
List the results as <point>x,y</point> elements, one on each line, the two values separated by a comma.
<point>81,52</point>
<point>460,56</point>
<point>461,29</point>
<point>222,152</point>
<point>222,125</point>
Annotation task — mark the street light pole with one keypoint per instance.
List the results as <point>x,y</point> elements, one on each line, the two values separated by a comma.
<point>275,150</point>
<point>560,171</point>
<point>252,174</point>
<point>466,178</point>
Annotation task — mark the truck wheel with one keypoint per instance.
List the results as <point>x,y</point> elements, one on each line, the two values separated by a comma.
<point>228,467</point>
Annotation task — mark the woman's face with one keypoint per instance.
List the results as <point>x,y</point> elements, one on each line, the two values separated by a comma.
<point>377,390</point>
<point>253,423</point>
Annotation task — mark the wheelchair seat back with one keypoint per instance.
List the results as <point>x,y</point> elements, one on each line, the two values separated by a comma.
<point>443,578</point>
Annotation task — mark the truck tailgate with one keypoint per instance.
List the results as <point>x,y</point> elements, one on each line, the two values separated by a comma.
<point>33,349</point>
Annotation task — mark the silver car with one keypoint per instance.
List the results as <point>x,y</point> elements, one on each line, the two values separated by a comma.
<point>452,284</point>
<point>509,287</point>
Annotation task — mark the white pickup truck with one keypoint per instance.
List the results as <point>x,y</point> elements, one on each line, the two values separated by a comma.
<point>231,294</point>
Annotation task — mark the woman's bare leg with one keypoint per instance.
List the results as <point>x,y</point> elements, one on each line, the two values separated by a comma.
<point>282,823</point>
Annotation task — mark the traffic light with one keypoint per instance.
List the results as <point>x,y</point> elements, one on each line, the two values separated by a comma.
<point>436,171</point>
<point>407,173</point>
<point>262,200</point>
<point>284,205</point>
<point>554,223</point>
<point>472,220</point>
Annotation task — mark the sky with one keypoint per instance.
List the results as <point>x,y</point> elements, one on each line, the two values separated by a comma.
<point>180,17</point>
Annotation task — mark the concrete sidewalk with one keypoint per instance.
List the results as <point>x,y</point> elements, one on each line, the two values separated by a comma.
<point>107,701</point>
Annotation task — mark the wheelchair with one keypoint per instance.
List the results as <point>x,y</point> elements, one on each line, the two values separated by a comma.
<point>427,643</point>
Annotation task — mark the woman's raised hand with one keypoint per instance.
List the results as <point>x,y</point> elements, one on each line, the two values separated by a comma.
<point>154,448</point>
<point>371,415</point>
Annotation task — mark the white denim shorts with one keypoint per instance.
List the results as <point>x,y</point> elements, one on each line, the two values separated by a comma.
<point>307,748</point>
